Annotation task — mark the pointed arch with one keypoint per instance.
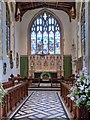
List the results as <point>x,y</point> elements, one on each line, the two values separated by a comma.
<point>47,35</point>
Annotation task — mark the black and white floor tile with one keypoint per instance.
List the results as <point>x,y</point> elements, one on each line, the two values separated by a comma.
<point>42,105</point>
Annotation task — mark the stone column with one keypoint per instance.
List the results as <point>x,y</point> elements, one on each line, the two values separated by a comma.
<point>1,44</point>
<point>0,31</point>
<point>88,31</point>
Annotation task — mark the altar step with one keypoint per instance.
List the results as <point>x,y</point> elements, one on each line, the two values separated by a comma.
<point>45,86</point>
<point>44,89</point>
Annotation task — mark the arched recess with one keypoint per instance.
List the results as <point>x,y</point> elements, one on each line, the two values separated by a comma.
<point>60,26</point>
<point>50,61</point>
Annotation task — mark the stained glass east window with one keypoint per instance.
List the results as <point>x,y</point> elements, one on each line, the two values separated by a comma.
<point>45,35</point>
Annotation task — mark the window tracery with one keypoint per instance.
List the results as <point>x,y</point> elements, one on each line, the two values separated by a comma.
<point>45,35</point>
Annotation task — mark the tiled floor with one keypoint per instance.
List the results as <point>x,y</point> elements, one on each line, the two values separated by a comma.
<point>42,105</point>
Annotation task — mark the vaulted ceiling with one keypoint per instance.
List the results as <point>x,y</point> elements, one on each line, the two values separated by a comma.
<point>23,7</point>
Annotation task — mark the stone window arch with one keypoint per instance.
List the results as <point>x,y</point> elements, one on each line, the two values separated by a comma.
<point>45,34</point>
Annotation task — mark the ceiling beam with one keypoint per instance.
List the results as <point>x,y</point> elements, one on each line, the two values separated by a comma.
<point>64,6</point>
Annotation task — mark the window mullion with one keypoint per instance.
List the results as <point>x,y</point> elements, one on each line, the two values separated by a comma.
<point>36,38</point>
<point>48,33</point>
<point>42,33</point>
<point>54,36</point>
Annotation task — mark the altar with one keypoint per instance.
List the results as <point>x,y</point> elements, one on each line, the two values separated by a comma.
<point>45,79</point>
<point>45,76</point>
<point>46,82</point>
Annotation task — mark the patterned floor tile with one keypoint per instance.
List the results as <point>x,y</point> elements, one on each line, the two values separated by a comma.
<point>41,105</point>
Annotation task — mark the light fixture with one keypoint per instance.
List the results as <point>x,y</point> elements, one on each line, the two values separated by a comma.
<point>72,12</point>
<point>18,14</point>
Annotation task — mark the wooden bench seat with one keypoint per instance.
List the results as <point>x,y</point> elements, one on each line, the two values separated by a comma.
<point>8,84</point>
<point>13,98</point>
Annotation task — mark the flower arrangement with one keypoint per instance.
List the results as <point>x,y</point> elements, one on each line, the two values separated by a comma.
<point>2,94</point>
<point>80,92</point>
